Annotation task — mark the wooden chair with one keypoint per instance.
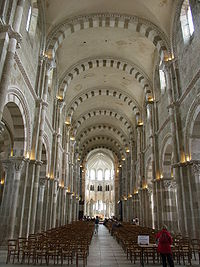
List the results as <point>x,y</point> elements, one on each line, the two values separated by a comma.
<point>12,250</point>
<point>67,253</point>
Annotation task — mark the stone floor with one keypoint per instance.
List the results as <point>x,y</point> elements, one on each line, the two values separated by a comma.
<point>104,251</point>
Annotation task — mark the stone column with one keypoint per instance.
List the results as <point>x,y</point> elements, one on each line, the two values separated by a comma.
<point>169,205</point>
<point>194,174</point>
<point>63,205</point>
<point>190,193</point>
<point>67,172</point>
<point>15,38</point>
<point>179,156</point>
<point>39,218</point>
<point>48,213</point>
<point>68,207</point>
<point>13,167</point>
<point>155,204</point>
<point>45,204</point>
<point>55,196</point>
<point>23,225</point>
<point>158,183</point>
<point>145,204</point>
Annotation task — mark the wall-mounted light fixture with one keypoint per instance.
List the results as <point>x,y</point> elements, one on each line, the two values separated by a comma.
<point>68,121</point>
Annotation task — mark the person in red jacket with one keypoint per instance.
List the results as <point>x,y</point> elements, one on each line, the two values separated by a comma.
<point>164,240</point>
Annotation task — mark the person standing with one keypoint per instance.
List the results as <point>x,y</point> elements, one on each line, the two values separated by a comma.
<point>96,228</point>
<point>136,220</point>
<point>164,240</point>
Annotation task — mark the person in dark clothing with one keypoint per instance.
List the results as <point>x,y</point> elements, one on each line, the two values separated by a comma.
<point>96,225</point>
<point>164,240</point>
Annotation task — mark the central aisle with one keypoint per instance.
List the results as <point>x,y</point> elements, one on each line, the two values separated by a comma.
<point>105,251</point>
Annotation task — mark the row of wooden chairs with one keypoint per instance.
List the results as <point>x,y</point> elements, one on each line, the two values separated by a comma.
<point>56,245</point>
<point>184,249</point>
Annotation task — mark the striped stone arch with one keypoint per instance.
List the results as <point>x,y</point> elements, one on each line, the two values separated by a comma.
<point>108,20</point>
<point>83,154</point>
<point>106,62</point>
<point>101,139</point>
<point>15,96</point>
<point>108,127</point>
<point>103,112</point>
<point>105,91</point>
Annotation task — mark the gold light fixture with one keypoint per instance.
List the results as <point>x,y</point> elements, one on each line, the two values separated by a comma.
<point>72,138</point>
<point>68,121</point>
<point>150,99</point>
<point>59,97</point>
<point>140,123</point>
<point>144,186</point>
<point>135,191</point>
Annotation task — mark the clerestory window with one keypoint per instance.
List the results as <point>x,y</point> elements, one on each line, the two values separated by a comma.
<point>162,81</point>
<point>32,17</point>
<point>186,21</point>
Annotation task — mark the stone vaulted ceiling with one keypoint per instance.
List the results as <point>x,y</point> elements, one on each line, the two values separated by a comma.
<point>106,52</point>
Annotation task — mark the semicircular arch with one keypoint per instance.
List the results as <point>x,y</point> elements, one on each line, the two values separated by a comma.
<point>143,26</point>
<point>107,62</point>
<point>104,112</point>
<point>103,91</point>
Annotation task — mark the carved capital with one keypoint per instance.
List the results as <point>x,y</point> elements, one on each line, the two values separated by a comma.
<point>196,167</point>
<point>44,104</point>
<point>42,181</point>
<point>166,184</point>
<point>11,33</point>
<point>169,183</point>
<point>18,163</point>
<point>60,103</point>
<point>39,162</point>
<point>50,63</point>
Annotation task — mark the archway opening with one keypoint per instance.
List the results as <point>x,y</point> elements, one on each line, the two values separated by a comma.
<point>100,184</point>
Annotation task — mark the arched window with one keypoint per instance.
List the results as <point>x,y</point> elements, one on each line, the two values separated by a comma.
<point>107,187</point>
<point>186,21</point>
<point>92,174</point>
<point>91,187</point>
<point>100,175</point>
<point>162,80</point>
<point>50,79</point>
<point>107,175</point>
<point>32,17</point>
<point>28,21</point>
<point>99,188</point>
